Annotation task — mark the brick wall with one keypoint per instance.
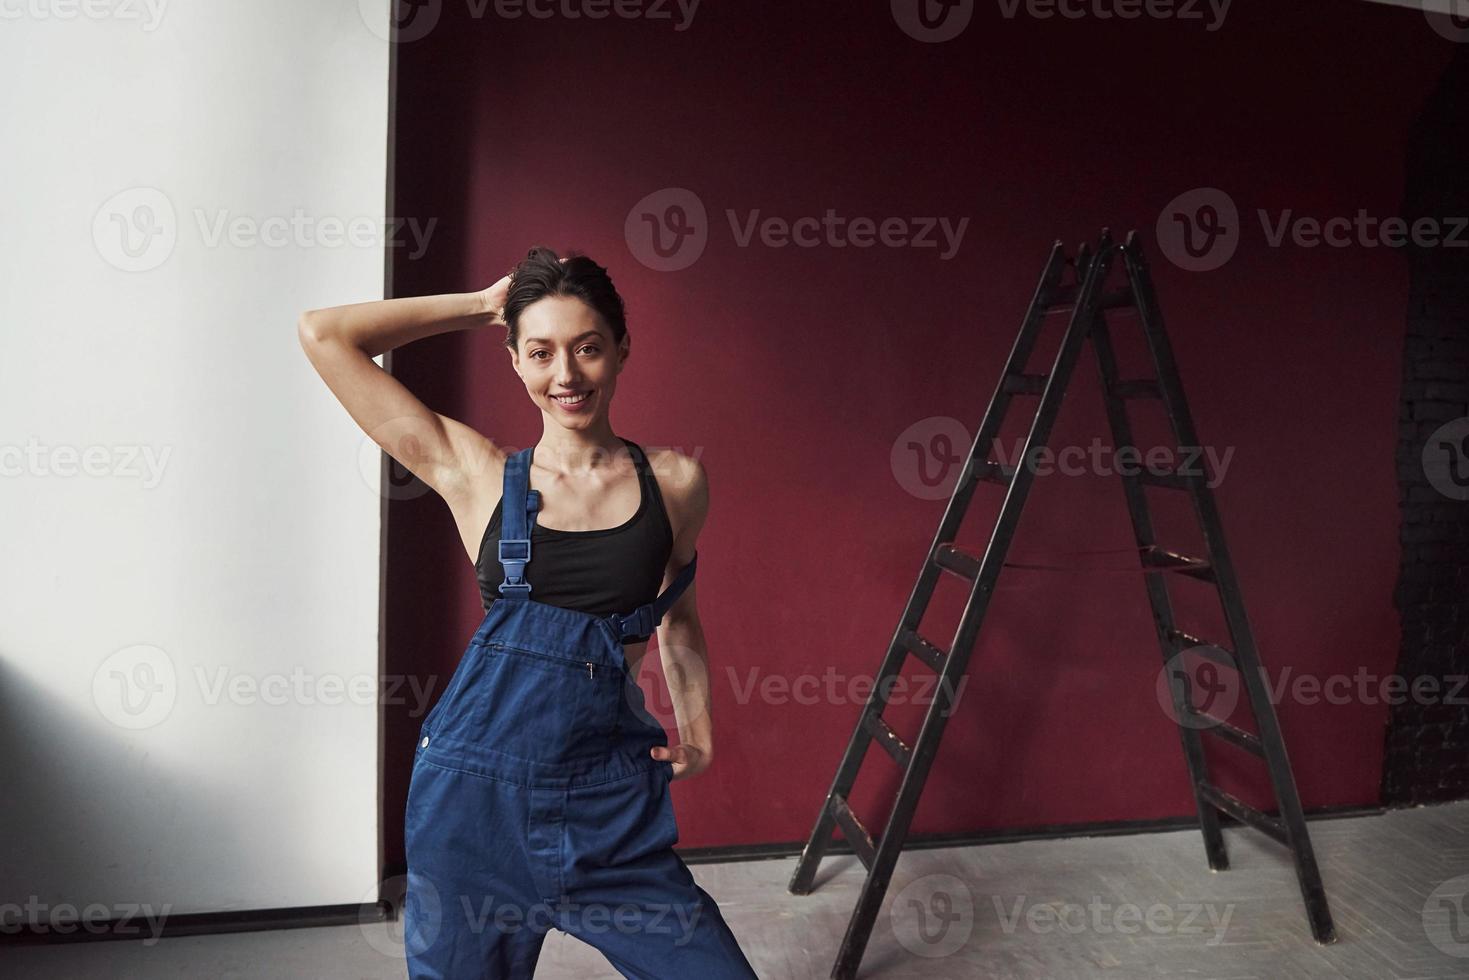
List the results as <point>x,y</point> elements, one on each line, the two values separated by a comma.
<point>1427,752</point>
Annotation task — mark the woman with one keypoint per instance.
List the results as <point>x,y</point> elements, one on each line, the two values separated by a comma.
<point>539,795</point>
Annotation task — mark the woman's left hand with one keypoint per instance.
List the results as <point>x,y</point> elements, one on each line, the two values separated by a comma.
<point>687,759</point>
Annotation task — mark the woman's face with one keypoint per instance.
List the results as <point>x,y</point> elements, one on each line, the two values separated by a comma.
<point>566,358</point>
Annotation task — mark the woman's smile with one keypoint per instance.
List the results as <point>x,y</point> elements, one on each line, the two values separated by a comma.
<point>574,402</point>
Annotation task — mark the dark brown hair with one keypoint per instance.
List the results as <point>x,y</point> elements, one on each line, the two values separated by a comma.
<point>542,273</point>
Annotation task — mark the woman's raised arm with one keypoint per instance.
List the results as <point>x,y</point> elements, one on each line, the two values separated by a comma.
<point>341,341</point>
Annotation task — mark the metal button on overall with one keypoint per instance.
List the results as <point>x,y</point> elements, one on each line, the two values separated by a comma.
<point>534,802</point>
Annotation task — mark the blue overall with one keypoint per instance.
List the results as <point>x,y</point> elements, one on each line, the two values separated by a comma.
<point>534,802</point>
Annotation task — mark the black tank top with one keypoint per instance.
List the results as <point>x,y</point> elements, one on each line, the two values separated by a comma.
<point>602,571</point>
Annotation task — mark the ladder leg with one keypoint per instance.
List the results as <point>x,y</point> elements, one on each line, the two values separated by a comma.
<point>1282,780</point>
<point>860,926</point>
<point>1158,599</point>
<point>984,577</point>
<point>1246,656</point>
<point>895,833</point>
<point>951,665</point>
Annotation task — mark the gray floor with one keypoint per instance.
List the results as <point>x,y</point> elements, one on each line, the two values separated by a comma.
<point>1117,907</point>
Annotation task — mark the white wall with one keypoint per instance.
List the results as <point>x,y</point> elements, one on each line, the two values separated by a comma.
<point>182,501</point>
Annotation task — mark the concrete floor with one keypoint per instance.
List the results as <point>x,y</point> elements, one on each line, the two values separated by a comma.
<point>1122,908</point>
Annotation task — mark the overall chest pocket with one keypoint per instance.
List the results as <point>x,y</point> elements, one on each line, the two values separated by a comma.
<point>543,706</point>
<point>566,661</point>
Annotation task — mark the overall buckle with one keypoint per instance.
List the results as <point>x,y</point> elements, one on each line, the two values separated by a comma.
<point>514,563</point>
<point>639,622</point>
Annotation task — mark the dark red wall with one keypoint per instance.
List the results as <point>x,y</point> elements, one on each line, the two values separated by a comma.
<point>792,372</point>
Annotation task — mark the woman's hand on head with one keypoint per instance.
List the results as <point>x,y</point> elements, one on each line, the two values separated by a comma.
<point>493,299</point>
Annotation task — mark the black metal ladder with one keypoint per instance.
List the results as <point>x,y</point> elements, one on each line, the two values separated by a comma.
<point>1087,299</point>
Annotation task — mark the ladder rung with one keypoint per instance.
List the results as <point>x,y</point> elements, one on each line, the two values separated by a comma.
<point>853,830</point>
<point>1183,564</point>
<point>1209,651</point>
<point>923,650</point>
<point>882,733</point>
<point>1064,298</point>
<point>959,562</point>
<point>1137,388</point>
<point>993,472</point>
<point>1238,736</point>
<point>1025,384</point>
<point>1172,480</point>
<point>1242,812</point>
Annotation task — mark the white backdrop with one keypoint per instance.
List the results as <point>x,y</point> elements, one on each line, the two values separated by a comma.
<point>189,638</point>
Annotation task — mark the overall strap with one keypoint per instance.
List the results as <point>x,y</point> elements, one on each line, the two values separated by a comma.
<point>644,619</point>
<point>518,506</point>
